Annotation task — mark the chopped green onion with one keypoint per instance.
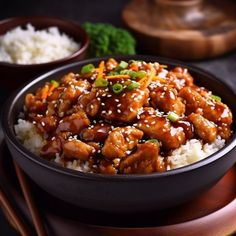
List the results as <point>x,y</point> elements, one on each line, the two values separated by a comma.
<point>131,73</point>
<point>133,85</point>
<point>155,141</point>
<point>100,82</point>
<point>117,88</point>
<point>56,83</point>
<point>216,98</point>
<point>87,69</point>
<point>140,74</point>
<point>172,116</point>
<point>123,65</point>
<point>124,72</point>
<point>113,73</point>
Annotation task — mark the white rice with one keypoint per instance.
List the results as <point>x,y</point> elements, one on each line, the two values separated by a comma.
<point>193,151</point>
<point>30,46</point>
<point>188,153</point>
<point>27,134</point>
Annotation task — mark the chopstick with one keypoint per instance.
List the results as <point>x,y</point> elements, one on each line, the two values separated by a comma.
<point>37,221</point>
<point>18,223</point>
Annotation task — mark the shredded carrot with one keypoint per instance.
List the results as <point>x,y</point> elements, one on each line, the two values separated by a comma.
<point>117,77</point>
<point>51,88</point>
<point>156,78</point>
<point>44,92</point>
<point>147,79</point>
<point>101,69</point>
<point>134,67</point>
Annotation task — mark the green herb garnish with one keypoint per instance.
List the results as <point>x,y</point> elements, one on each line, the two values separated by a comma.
<point>216,98</point>
<point>123,65</point>
<point>87,69</point>
<point>100,82</point>
<point>55,83</point>
<point>172,116</point>
<point>133,85</point>
<point>140,74</point>
<point>117,88</point>
<point>155,141</point>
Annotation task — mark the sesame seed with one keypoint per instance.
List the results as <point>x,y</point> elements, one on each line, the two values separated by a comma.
<point>119,105</point>
<point>109,95</point>
<point>119,111</point>
<point>109,112</point>
<point>116,100</point>
<point>42,123</point>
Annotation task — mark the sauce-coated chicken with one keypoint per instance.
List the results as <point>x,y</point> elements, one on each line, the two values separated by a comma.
<point>124,117</point>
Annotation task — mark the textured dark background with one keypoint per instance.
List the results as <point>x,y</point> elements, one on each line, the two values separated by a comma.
<point>99,11</point>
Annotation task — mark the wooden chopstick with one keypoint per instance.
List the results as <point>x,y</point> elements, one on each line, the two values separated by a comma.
<point>18,223</point>
<point>37,221</point>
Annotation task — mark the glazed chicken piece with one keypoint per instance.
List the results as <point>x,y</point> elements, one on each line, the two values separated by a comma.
<point>67,96</point>
<point>76,149</point>
<point>90,102</point>
<point>44,124</point>
<point>205,129</point>
<point>107,167</point>
<point>179,77</point>
<point>160,128</point>
<point>144,160</point>
<point>111,64</point>
<point>217,112</point>
<point>187,127</point>
<point>120,141</point>
<point>54,145</point>
<point>166,99</point>
<point>124,107</point>
<point>96,133</point>
<point>194,101</point>
<point>74,123</point>
<point>34,105</point>
<point>51,148</point>
<point>224,131</point>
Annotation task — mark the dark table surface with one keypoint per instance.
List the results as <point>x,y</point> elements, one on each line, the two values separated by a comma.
<point>99,11</point>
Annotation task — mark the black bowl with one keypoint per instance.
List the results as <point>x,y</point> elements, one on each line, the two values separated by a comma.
<point>121,193</point>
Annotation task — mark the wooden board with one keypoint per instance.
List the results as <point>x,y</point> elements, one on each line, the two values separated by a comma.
<point>186,29</point>
<point>212,213</point>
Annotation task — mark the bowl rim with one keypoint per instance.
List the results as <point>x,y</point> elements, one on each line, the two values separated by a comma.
<point>9,134</point>
<point>84,43</point>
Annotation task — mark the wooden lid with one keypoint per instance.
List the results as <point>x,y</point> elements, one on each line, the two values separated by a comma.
<point>186,29</point>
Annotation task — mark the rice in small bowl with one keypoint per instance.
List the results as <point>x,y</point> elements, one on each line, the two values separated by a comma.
<point>34,44</point>
<point>125,192</point>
